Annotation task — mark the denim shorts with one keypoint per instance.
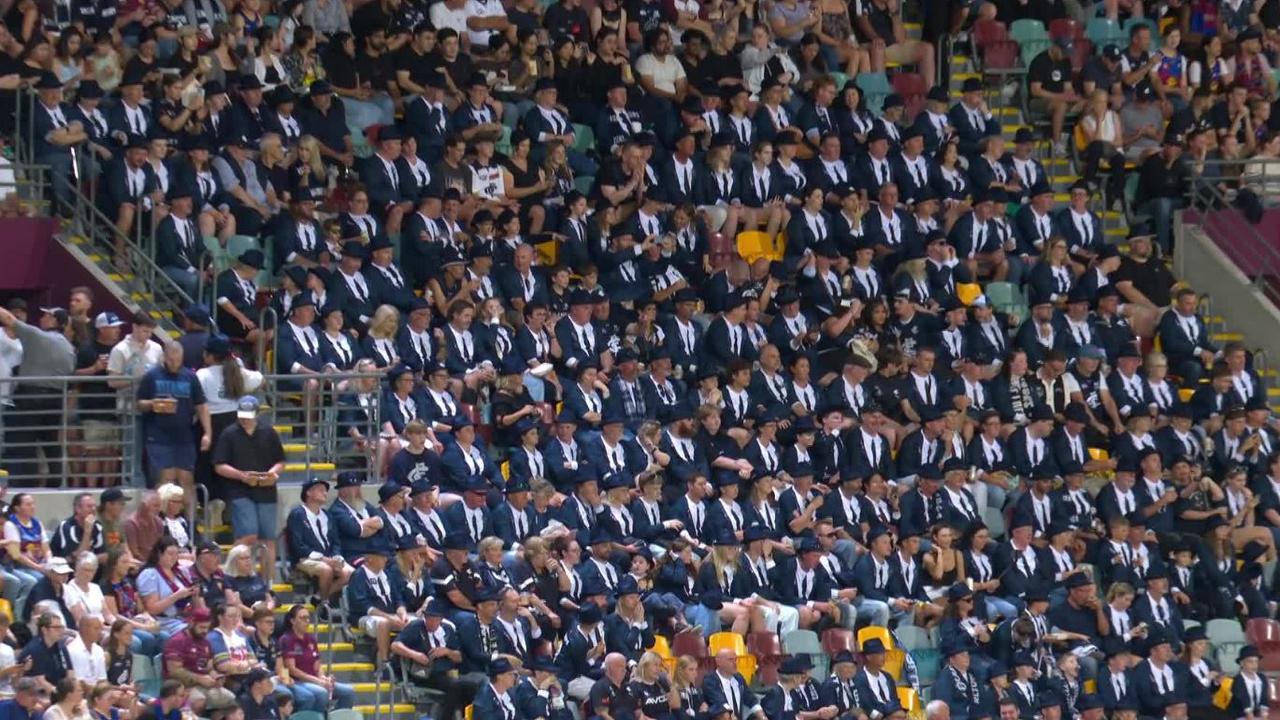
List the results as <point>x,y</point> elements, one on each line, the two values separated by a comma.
<point>165,456</point>
<point>253,518</point>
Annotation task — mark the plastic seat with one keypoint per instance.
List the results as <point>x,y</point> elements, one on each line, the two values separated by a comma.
<point>909,699</point>
<point>1220,631</point>
<point>1103,31</point>
<point>753,245</point>
<point>662,648</point>
<point>1226,654</point>
<point>738,646</point>
<point>801,642</point>
<point>835,640</point>
<point>986,32</point>
<point>584,138</point>
<point>307,715</point>
<point>350,714</point>
<point>1151,25</point>
<point>767,648</point>
<point>928,661</point>
<point>875,88</point>
<point>909,85</point>
<point>840,80</point>
<point>583,184</point>
<point>994,520</point>
<point>1027,29</point>
<point>1000,57</point>
<point>875,631</point>
<point>1065,27</point>
<point>689,644</point>
<point>721,250</point>
<point>1030,49</point>
<point>1262,632</point>
<point>894,661</point>
<point>913,638</point>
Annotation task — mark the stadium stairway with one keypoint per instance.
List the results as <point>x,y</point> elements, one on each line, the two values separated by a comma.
<point>351,663</point>
<point>128,288</point>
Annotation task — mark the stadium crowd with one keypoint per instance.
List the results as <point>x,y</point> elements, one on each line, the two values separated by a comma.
<point>597,431</point>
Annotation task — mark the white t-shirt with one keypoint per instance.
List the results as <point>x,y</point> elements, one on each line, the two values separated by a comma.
<point>128,359</point>
<point>664,72</point>
<point>483,9</point>
<point>7,660</point>
<point>442,16</point>
<point>90,665</point>
<point>215,394</point>
<point>91,599</point>
<point>10,358</point>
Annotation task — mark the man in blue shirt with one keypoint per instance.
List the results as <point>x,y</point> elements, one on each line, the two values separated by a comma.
<point>25,703</point>
<point>47,653</point>
<point>171,399</point>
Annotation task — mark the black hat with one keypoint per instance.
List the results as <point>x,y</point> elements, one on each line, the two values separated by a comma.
<point>249,82</point>
<point>1078,580</point>
<point>1041,412</point>
<point>937,93</point>
<point>795,665</point>
<point>1024,135</point>
<point>873,646</point>
<point>500,665</point>
<point>892,100</point>
<point>971,85</point>
<point>959,591</point>
<point>89,90</point>
<point>754,532</point>
<point>589,614</point>
<point>388,490</point>
<point>350,478</point>
<point>456,541</point>
<point>252,257</point>
<point>1111,52</point>
<point>876,134</point>
<point>114,494</point>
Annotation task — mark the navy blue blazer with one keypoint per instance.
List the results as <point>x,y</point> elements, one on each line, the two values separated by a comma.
<point>714,694</point>
<point>305,538</point>
<point>871,701</point>
<point>362,597</point>
<point>502,520</point>
<point>347,528</point>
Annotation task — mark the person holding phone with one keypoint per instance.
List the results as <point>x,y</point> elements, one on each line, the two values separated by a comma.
<point>250,456</point>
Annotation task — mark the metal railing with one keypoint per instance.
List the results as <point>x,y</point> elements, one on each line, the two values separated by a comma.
<point>1214,190</point>
<point>138,258</point>
<point>80,431</point>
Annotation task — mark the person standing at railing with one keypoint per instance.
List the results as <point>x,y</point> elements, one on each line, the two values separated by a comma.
<point>249,454</point>
<point>96,403</point>
<point>54,136</point>
<point>38,404</point>
<point>171,400</point>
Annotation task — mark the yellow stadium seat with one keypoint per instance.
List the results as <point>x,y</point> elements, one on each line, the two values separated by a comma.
<point>1222,698</point>
<point>662,647</point>
<point>1090,687</point>
<point>894,660</point>
<point>1184,394</point>
<point>6,609</point>
<point>738,646</point>
<point>466,714</point>
<point>909,699</point>
<point>753,245</point>
<point>1098,454</point>
<point>505,467</point>
<point>875,631</point>
<point>968,292</point>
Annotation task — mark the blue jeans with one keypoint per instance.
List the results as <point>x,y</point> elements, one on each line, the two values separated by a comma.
<point>703,616</point>
<point>846,552</point>
<point>1000,606</point>
<point>60,171</point>
<point>308,696</point>
<point>148,643</point>
<point>875,612</point>
<point>1161,212</point>
<point>186,281</point>
<point>17,586</point>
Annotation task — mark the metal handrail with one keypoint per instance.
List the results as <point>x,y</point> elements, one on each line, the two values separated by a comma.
<point>1219,217</point>
<point>89,217</point>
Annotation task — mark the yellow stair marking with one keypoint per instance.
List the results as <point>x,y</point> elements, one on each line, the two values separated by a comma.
<point>351,667</point>
<point>303,467</point>
<point>397,708</point>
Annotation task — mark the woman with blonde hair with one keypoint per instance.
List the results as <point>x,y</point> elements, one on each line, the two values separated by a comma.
<point>650,688</point>
<point>715,578</point>
<point>308,169</point>
<point>685,687</point>
<point>243,578</point>
<point>1099,134</point>
<point>380,343</point>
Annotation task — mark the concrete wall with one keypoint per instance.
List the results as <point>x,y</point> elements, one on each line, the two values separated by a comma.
<point>1200,262</point>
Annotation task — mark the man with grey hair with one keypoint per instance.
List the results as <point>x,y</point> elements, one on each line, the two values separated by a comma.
<point>26,703</point>
<point>608,693</point>
<point>937,710</point>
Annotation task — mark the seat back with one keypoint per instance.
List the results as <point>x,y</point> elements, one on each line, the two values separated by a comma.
<point>875,631</point>
<point>911,637</point>
<point>1030,48</point>
<point>1027,29</point>
<point>1262,631</point>
<point>1103,31</point>
<point>754,244</point>
<point>764,645</point>
<point>835,640</point>
<point>801,642</point>
<point>894,661</point>
<point>689,644</point>
<point>909,85</point>
<point>927,662</point>
<point>986,32</point>
<point>909,699</point>
<point>734,643</point>
<point>1001,55</point>
<point>1065,27</point>
<point>875,88</point>
<point>1221,630</point>
<point>1081,51</point>
<point>1151,25</point>
<point>584,138</point>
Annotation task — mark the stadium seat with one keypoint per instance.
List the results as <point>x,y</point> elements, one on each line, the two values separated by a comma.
<point>911,637</point>
<point>994,520</point>
<point>663,649</point>
<point>909,85</point>
<point>691,644</point>
<point>894,661</point>
<point>351,714</point>
<point>1001,58</point>
<point>840,79</point>
<point>721,250</point>
<point>584,138</point>
<point>1065,27</point>
<point>1226,656</point>
<point>735,643</point>
<point>469,712</point>
<point>583,184</point>
<point>1155,31</point>
<point>1103,32</point>
<point>805,642</point>
<point>1265,634</point>
<point>1221,630</point>
<point>928,661</point>
<point>909,699</point>
<point>1081,51</point>
<point>875,631</point>
<point>875,88</point>
<point>986,32</point>
<point>835,640</point>
<point>307,715</point>
<point>767,648</point>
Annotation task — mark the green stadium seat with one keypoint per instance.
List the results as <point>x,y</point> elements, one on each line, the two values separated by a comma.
<point>875,88</point>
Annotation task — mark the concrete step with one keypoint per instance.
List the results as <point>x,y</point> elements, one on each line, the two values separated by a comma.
<point>398,708</point>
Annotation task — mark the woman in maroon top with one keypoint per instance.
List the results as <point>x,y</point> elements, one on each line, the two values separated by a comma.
<point>311,688</point>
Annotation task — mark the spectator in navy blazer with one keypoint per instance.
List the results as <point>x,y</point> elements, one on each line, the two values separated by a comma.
<point>312,542</point>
